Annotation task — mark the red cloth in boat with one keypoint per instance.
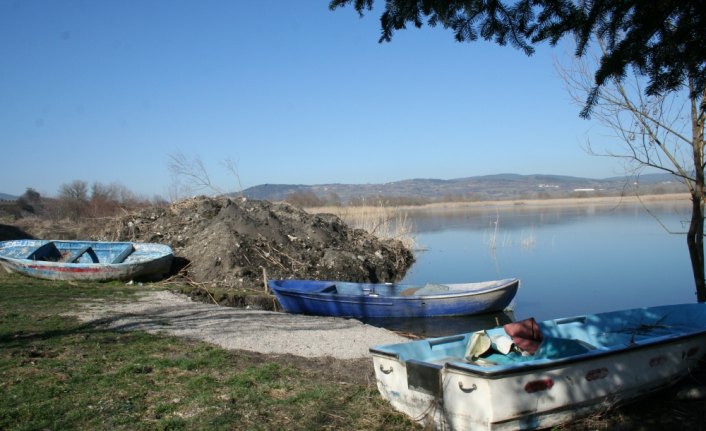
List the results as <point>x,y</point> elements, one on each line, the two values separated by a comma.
<point>525,334</point>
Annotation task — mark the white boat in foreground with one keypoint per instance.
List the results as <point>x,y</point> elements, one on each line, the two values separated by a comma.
<point>489,380</point>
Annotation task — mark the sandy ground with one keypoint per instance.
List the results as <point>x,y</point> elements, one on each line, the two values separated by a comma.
<point>232,328</point>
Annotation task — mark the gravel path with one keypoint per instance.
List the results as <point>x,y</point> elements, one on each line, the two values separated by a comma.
<point>234,328</point>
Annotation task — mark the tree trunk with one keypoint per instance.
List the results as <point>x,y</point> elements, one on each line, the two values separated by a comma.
<point>694,239</point>
<point>695,236</point>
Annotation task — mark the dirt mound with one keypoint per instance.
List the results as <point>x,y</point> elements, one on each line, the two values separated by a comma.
<point>228,243</point>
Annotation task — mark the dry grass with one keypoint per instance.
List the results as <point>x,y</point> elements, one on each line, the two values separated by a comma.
<point>517,204</point>
<point>383,222</point>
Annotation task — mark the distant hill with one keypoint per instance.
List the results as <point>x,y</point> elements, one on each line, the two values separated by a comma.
<point>487,187</point>
<point>6,197</point>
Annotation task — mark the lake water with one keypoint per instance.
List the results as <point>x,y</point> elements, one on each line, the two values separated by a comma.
<point>570,260</point>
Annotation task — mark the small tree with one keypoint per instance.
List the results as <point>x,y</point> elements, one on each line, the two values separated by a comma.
<point>104,200</point>
<point>30,201</point>
<point>73,199</point>
<point>662,131</point>
<point>304,199</point>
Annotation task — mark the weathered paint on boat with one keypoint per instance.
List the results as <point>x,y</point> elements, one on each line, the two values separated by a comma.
<point>583,364</point>
<point>86,260</point>
<point>367,300</point>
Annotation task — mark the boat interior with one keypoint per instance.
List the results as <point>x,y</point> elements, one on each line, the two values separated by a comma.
<point>81,252</point>
<point>389,289</point>
<point>561,338</point>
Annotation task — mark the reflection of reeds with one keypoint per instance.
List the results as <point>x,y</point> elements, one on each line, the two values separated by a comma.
<point>493,240</point>
<point>527,241</point>
<point>383,222</point>
<point>496,237</point>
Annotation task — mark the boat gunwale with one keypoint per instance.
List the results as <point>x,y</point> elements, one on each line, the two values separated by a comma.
<point>371,298</point>
<point>161,251</point>
<point>48,264</point>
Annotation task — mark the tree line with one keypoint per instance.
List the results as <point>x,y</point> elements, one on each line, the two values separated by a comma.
<point>77,199</point>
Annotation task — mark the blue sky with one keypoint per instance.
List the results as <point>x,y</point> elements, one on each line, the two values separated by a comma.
<point>291,92</point>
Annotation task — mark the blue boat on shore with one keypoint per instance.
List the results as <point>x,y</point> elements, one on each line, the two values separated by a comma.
<point>363,300</point>
<point>86,260</point>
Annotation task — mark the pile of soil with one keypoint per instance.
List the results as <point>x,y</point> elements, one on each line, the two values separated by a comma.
<point>229,242</point>
<point>230,245</point>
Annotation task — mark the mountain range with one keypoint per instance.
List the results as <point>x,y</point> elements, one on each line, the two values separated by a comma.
<point>486,187</point>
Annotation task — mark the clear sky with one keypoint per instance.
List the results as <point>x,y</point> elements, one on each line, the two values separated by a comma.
<point>106,90</point>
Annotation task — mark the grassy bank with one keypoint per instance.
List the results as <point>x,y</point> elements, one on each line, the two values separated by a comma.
<point>58,373</point>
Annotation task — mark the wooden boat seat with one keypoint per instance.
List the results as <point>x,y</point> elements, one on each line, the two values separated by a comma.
<point>444,360</point>
<point>127,251</point>
<point>74,257</point>
<point>409,291</point>
<point>46,252</point>
<point>431,289</point>
<point>428,289</point>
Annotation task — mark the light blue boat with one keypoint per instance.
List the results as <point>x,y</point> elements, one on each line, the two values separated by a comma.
<point>86,260</point>
<point>570,368</point>
<point>370,300</point>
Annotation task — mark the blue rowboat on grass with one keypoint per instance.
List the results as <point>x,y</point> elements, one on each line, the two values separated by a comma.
<point>528,375</point>
<point>361,300</point>
<point>86,260</point>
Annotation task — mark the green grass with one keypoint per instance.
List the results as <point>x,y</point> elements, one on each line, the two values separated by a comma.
<point>58,373</point>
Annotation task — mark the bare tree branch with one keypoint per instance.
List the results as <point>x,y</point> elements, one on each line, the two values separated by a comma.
<point>193,171</point>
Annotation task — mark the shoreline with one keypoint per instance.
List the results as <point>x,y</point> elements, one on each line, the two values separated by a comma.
<point>563,202</point>
<point>514,204</point>
<point>232,328</point>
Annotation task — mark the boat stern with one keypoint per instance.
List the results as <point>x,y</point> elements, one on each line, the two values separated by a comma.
<point>411,388</point>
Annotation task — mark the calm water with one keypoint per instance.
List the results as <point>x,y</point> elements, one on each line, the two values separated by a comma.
<point>570,260</point>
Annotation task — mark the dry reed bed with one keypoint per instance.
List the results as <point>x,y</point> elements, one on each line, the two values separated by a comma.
<point>394,223</point>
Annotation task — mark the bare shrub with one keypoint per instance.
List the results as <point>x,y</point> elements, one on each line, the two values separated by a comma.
<point>73,199</point>
<point>303,199</point>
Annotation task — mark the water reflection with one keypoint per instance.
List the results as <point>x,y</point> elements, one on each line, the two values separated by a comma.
<point>428,220</point>
<point>580,260</point>
<point>441,326</point>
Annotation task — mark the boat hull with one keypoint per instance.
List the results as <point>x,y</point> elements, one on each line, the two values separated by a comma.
<point>453,303</point>
<point>145,260</point>
<point>452,393</point>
